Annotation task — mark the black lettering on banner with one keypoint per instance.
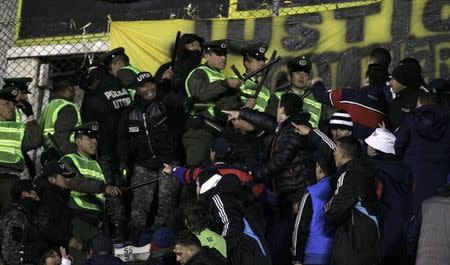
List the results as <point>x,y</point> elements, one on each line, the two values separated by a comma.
<point>444,55</point>
<point>432,16</point>
<point>263,30</point>
<point>302,36</point>
<point>203,28</point>
<point>355,20</point>
<point>235,29</point>
<point>401,18</point>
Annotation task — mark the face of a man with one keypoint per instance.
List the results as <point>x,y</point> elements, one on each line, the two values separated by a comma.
<point>215,61</point>
<point>22,96</point>
<point>87,144</point>
<point>184,253</point>
<point>396,86</point>
<point>6,110</point>
<point>299,79</point>
<point>148,91</point>
<point>32,194</point>
<point>251,64</point>
<point>338,133</point>
<point>115,67</point>
<point>193,46</point>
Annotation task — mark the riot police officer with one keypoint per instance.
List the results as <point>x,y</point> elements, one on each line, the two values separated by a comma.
<point>299,71</point>
<point>253,58</point>
<point>21,84</point>
<point>212,91</point>
<point>16,138</point>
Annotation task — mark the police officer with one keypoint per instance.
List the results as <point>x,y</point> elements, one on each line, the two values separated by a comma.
<point>118,64</point>
<point>16,138</point>
<point>188,57</point>
<point>299,70</point>
<point>254,57</point>
<point>105,102</point>
<point>20,240</point>
<point>88,186</point>
<point>147,136</point>
<point>21,84</point>
<point>208,86</point>
<point>60,116</point>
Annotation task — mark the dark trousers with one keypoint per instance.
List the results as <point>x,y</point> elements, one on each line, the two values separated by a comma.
<point>6,182</point>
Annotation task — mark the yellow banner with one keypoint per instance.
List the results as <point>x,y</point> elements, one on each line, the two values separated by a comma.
<point>338,41</point>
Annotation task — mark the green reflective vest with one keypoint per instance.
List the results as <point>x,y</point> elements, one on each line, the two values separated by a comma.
<point>17,115</point>
<point>89,169</point>
<point>49,116</point>
<point>12,134</point>
<point>132,90</point>
<point>212,240</point>
<point>249,88</point>
<point>213,75</point>
<point>310,105</point>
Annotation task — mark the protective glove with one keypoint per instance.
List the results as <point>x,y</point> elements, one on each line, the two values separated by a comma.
<point>26,108</point>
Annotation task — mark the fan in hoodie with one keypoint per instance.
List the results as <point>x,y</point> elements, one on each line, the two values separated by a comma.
<point>423,140</point>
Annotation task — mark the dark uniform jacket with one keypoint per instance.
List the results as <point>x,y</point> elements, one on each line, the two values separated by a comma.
<point>402,106</point>
<point>290,163</point>
<point>147,134</point>
<point>18,233</point>
<point>354,211</point>
<point>218,92</point>
<point>207,256</point>
<point>162,257</point>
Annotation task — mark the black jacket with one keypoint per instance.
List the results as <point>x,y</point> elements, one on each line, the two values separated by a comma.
<point>357,238</point>
<point>105,105</point>
<point>147,134</point>
<point>228,202</point>
<point>290,163</point>
<point>402,106</point>
<point>207,256</point>
<point>162,257</point>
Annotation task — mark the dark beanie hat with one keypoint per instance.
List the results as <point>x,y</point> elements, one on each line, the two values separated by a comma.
<point>162,238</point>
<point>407,75</point>
<point>414,65</point>
<point>102,243</point>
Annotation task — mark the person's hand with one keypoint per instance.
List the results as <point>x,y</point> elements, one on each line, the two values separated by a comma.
<point>232,114</point>
<point>60,181</point>
<point>26,108</point>
<point>382,125</point>
<point>113,191</point>
<point>251,103</point>
<point>74,244</point>
<point>317,79</point>
<point>234,82</point>
<point>167,169</point>
<point>168,74</point>
<point>301,129</point>
<point>295,207</point>
<point>327,206</point>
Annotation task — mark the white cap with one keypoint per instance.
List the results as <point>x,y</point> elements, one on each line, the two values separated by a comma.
<point>382,140</point>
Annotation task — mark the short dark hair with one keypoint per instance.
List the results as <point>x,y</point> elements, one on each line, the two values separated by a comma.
<point>292,103</point>
<point>381,56</point>
<point>62,85</point>
<point>350,146</point>
<point>196,217</point>
<point>326,163</point>
<point>121,58</point>
<point>378,75</point>
<point>427,98</point>
<point>186,238</point>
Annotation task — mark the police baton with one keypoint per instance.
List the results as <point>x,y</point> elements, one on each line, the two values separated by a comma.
<point>175,48</point>
<point>236,71</point>
<point>268,64</point>
<point>147,182</point>
<point>264,75</point>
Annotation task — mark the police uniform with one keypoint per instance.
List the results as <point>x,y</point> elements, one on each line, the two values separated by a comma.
<point>20,238</point>
<point>127,74</point>
<point>148,136</point>
<point>310,104</point>
<point>87,187</point>
<point>208,87</point>
<point>16,138</point>
<point>248,88</point>
<point>57,119</point>
<point>20,83</point>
